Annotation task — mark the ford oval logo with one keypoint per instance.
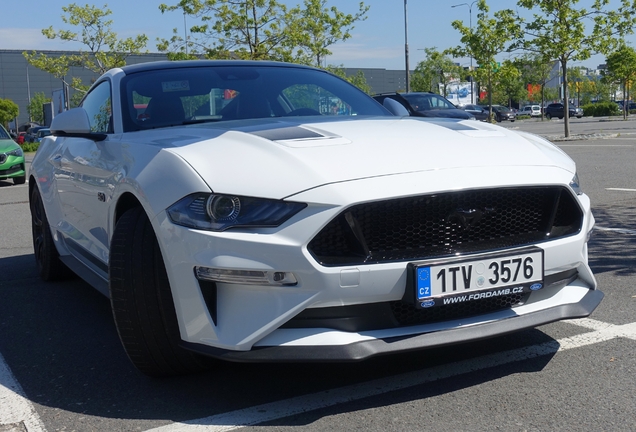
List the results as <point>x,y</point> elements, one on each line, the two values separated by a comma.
<point>428,304</point>
<point>536,287</point>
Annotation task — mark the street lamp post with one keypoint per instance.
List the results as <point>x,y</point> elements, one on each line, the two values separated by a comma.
<point>406,49</point>
<point>470,18</point>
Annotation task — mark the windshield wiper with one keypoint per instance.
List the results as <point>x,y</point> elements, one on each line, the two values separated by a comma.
<point>196,121</point>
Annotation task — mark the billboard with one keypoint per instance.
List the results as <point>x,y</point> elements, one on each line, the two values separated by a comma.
<point>461,92</point>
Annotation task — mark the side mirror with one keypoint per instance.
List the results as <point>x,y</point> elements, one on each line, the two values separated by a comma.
<point>74,123</point>
<point>395,107</point>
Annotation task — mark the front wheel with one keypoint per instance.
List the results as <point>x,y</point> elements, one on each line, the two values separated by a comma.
<point>46,255</point>
<point>19,180</point>
<point>548,116</point>
<point>141,300</point>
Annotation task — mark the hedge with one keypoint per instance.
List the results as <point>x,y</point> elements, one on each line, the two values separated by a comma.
<point>601,109</point>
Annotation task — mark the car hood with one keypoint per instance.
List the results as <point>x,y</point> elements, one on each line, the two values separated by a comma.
<point>7,145</point>
<point>278,159</point>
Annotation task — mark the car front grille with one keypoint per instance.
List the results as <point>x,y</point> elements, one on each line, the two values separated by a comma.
<point>446,224</point>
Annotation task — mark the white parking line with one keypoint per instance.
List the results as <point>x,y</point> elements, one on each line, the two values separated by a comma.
<point>621,189</point>
<point>594,145</point>
<point>276,410</point>
<point>618,230</point>
<point>15,408</point>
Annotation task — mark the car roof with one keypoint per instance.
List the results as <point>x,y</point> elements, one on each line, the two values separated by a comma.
<point>161,65</point>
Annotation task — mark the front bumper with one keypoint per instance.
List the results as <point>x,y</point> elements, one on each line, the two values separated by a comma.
<point>493,326</point>
<point>12,169</point>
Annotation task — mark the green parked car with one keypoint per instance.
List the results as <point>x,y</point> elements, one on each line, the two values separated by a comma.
<point>11,159</point>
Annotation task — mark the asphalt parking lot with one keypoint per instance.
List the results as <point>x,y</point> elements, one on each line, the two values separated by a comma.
<point>62,366</point>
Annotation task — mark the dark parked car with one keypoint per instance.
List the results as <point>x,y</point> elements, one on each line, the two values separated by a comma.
<point>479,112</point>
<point>424,104</point>
<point>32,133</point>
<point>557,110</point>
<point>503,113</point>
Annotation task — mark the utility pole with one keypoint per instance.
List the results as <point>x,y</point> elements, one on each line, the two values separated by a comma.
<point>406,49</point>
<point>470,18</point>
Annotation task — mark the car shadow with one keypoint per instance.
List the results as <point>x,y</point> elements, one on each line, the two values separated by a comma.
<point>613,250</point>
<point>60,342</point>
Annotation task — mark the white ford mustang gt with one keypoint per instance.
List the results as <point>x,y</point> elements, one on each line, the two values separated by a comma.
<point>255,211</point>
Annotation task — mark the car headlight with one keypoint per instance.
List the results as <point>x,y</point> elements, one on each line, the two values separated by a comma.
<point>576,185</point>
<point>217,212</point>
<point>17,153</point>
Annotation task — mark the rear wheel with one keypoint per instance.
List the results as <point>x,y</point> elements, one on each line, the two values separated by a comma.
<point>548,116</point>
<point>142,303</point>
<point>47,258</point>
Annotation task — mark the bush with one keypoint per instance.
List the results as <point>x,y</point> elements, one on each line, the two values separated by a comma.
<point>30,146</point>
<point>601,109</point>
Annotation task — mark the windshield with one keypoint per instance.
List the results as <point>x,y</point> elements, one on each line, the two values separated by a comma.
<point>3,133</point>
<point>168,97</point>
<point>426,102</point>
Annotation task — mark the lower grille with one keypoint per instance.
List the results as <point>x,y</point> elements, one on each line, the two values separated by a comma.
<point>447,224</point>
<point>407,314</point>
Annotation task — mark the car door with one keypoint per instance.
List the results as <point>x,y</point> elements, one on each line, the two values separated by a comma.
<point>84,172</point>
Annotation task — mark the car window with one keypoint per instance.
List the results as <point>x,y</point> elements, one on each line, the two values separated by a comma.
<point>160,98</point>
<point>97,104</point>
<point>314,98</point>
<point>425,102</point>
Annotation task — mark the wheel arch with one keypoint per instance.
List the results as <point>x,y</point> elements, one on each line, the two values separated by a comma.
<point>125,202</point>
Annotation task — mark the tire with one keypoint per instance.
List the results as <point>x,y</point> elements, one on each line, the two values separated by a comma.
<point>548,116</point>
<point>19,180</point>
<point>141,301</point>
<point>47,258</point>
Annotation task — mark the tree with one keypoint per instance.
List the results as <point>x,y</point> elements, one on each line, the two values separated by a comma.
<point>243,29</point>
<point>105,50</point>
<point>509,83</point>
<point>576,77</point>
<point>312,29</point>
<point>485,40</point>
<point>9,110</point>
<point>260,30</point>
<point>557,31</point>
<point>34,108</point>
<point>621,67</point>
<point>436,69</point>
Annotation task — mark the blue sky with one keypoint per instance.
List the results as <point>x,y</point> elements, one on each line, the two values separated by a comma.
<point>377,42</point>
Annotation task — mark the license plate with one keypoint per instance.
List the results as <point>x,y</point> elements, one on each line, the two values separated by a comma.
<point>492,275</point>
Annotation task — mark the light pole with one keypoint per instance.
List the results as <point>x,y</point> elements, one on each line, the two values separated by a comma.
<point>406,49</point>
<point>470,18</point>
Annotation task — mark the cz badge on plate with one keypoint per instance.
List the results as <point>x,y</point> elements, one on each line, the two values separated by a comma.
<point>452,280</point>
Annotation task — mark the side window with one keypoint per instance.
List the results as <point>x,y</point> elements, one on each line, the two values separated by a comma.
<point>311,99</point>
<point>98,106</point>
